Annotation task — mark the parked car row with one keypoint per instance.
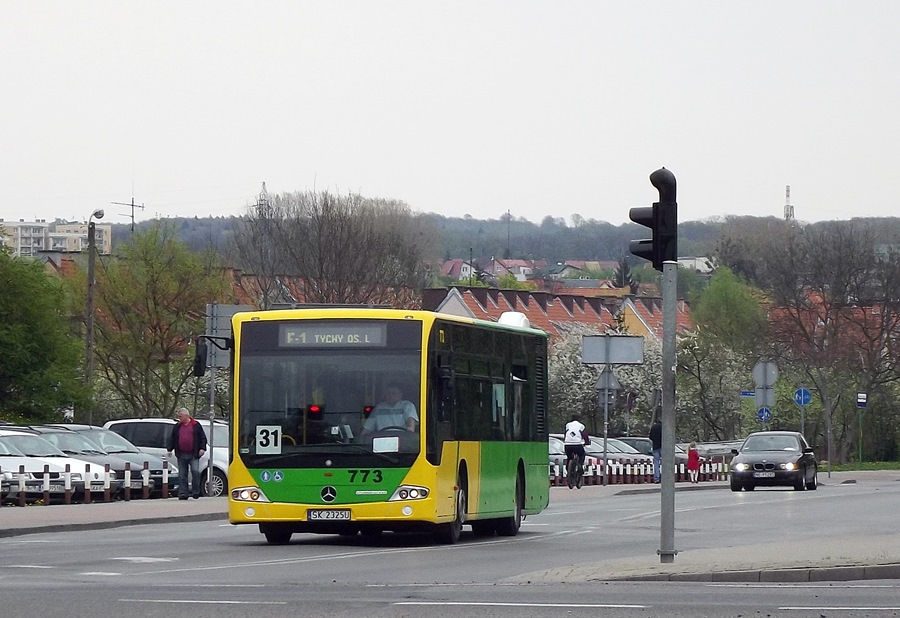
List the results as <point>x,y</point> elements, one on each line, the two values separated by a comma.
<point>36,452</point>
<point>151,435</point>
<point>558,457</point>
<point>645,446</point>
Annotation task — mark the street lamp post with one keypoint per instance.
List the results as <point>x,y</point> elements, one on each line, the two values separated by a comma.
<point>89,321</point>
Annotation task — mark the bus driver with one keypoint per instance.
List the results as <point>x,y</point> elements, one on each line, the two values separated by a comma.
<point>394,411</point>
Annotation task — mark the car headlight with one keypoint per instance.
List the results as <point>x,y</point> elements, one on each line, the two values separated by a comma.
<point>8,476</point>
<point>76,476</point>
<point>789,466</point>
<point>740,467</point>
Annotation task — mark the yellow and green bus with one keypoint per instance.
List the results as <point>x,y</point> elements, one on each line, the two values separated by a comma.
<point>316,450</point>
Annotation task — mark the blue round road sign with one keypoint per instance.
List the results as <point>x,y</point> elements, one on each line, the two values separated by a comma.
<point>764,414</point>
<point>802,397</point>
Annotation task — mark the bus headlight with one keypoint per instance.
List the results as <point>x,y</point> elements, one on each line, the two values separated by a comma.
<point>409,492</point>
<point>248,494</point>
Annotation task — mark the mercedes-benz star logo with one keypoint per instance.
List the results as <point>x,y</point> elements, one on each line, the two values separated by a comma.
<point>329,493</point>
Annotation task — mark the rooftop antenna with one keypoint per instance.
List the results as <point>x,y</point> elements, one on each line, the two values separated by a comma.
<point>788,208</point>
<point>133,206</point>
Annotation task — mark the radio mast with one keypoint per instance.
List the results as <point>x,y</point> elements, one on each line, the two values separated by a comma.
<point>788,208</point>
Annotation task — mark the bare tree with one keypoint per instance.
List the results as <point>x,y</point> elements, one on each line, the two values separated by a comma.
<point>324,248</point>
<point>835,313</point>
<point>257,252</point>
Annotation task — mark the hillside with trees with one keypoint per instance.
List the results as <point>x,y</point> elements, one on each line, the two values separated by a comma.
<point>821,300</point>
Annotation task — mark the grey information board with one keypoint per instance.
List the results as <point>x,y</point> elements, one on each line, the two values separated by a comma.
<point>612,350</point>
<point>218,324</point>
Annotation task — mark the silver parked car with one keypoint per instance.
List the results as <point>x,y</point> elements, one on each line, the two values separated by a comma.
<point>114,444</point>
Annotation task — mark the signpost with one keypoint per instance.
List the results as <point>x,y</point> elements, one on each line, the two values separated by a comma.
<point>610,349</point>
<point>802,397</point>
<point>764,375</point>
<point>862,399</point>
<point>607,383</point>
<point>218,324</point>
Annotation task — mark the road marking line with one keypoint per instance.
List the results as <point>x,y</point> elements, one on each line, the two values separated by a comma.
<point>196,602</point>
<point>845,608</point>
<point>500,604</point>
<point>826,585</point>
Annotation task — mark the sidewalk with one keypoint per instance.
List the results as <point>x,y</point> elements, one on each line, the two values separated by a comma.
<point>16,520</point>
<point>833,559</point>
<point>840,558</point>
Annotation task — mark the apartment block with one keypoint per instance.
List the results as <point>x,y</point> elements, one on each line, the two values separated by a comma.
<point>31,238</point>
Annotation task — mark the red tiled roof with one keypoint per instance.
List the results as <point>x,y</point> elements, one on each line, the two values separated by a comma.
<point>544,310</point>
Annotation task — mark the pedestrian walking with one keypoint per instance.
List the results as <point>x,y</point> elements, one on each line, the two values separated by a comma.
<point>188,441</point>
<point>656,441</point>
<point>693,463</point>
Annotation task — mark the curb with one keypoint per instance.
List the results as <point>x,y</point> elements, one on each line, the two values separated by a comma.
<point>105,525</point>
<point>787,575</point>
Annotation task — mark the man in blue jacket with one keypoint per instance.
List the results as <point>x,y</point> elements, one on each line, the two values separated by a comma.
<point>188,440</point>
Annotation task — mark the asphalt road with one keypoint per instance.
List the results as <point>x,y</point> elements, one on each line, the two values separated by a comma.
<point>559,564</point>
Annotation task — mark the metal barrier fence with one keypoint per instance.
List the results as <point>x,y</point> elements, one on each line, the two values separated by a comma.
<point>21,488</point>
<point>627,473</point>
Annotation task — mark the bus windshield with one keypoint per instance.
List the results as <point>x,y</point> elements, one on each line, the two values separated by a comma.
<point>295,407</point>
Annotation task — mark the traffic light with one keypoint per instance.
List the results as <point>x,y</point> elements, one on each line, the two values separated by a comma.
<point>200,353</point>
<point>662,219</point>
<point>314,412</point>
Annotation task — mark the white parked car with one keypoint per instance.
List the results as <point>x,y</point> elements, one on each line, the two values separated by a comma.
<point>152,435</point>
<point>13,464</point>
<point>43,452</point>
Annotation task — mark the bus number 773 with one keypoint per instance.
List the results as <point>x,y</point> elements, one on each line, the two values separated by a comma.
<point>376,475</point>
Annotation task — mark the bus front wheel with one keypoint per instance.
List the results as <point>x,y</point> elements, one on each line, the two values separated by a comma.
<point>275,534</point>
<point>449,533</point>
<point>509,526</point>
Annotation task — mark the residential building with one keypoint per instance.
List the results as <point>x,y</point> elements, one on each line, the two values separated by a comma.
<point>32,238</point>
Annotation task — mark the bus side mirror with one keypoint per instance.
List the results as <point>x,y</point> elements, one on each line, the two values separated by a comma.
<point>200,359</point>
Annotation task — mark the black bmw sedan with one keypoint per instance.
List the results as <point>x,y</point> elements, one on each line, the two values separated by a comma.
<point>774,458</point>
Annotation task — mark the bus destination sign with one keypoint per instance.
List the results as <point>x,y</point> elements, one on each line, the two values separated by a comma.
<point>332,335</point>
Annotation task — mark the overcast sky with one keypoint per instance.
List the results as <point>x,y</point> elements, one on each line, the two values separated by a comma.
<point>538,108</point>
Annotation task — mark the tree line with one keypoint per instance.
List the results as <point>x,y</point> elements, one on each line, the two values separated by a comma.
<point>820,300</point>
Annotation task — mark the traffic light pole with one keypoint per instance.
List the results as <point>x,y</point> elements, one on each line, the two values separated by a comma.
<point>661,249</point>
<point>667,477</point>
